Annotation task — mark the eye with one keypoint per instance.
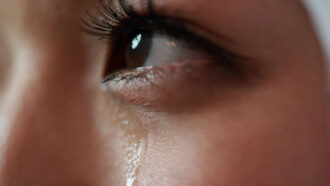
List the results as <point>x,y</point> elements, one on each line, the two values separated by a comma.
<point>154,49</point>
<point>154,57</point>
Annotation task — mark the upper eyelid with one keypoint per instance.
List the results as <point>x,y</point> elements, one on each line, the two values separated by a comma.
<point>108,20</point>
<point>111,22</point>
<point>161,24</point>
<point>151,20</point>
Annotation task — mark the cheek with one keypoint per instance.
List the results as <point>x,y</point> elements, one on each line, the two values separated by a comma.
<point>260,139</point>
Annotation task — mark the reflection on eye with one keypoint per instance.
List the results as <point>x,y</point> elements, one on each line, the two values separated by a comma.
<point>136,41</point>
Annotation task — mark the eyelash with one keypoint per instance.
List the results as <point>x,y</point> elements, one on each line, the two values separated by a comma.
<point>112,23</point>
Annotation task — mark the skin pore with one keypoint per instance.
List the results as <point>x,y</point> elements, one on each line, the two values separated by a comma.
<point>59,126</point>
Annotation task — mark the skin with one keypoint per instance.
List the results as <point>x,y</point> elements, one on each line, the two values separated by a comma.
<point>59,128</point>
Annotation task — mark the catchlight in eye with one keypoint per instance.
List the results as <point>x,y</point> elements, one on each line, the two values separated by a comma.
<point>136,41</point>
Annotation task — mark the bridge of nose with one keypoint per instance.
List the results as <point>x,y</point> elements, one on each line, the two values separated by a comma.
<point>52,138</point>
<point>50,135</point>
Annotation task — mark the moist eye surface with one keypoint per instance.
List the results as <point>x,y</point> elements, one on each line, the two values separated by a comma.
<point>137,50</point>
<point>153,49</point>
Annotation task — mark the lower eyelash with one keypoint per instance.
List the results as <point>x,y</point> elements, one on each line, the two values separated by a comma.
<point>146,73</point>
<point>124,76</point>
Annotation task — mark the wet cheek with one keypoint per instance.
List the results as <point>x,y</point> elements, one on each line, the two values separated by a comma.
<point>170,159</point>
<point>148,149</point>
<point>243,139</point>
<point>226,149</point>
<point>157,148</point>
<point>123,130</point>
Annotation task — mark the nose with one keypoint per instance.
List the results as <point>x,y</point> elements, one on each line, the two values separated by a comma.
<point>49,135</point>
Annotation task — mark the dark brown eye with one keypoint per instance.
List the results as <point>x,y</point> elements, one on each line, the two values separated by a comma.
<point>159,47</point>
<point>137,50</point>
<point>152,49</point>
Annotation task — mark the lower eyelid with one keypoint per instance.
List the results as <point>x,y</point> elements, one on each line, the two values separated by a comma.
<point>168,87</point>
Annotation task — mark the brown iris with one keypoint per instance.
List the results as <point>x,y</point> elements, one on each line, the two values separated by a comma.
<point>137,51</point>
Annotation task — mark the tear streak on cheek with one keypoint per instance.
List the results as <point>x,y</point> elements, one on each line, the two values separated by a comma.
<point>131,142</point>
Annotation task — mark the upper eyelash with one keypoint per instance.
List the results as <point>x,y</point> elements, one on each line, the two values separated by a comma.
<point>113,20</point>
